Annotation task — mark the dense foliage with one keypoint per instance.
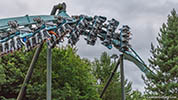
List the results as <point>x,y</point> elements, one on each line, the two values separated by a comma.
<point>72,78</point>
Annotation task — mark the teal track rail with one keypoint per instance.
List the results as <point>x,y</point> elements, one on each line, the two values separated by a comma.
<point>28,20</point>
<point>132,56</point>
<point>24,20</point>
<point>74,25</point>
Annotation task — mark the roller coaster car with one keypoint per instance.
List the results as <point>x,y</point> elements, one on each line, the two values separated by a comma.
<point>126,47</point>
<point>5,47</point>
<point>116,36</point>
<point>13,24</point>
<point>3,36</point>
<point>33,41</point>
<point>73,37</point>
<point>27,45</point>
<point>114,22</point>
<point>107,43</point>
<point>126,36</point>
<point>89,19</point>
<point>51,42</point>
<point>86,21</point>
<point>91,40</point>
<point>38,38</point>
<point>60,20</point>
<point>125,28</point>
<point>19,43</point>
<point>100,19</point>
<point>39,21</point>
<point>11,45</point>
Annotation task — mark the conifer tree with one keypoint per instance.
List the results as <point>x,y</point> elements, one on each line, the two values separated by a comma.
<point>164,60</point>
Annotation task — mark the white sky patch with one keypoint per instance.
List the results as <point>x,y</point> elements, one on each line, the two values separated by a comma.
<point>173,1</point>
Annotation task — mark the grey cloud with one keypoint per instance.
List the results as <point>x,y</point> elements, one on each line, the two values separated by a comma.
<point>11,8</point>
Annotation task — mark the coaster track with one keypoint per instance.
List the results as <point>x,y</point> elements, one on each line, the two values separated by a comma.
<point>29,31</point>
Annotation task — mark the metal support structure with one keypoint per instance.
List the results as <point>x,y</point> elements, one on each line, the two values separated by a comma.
<point>49,63</point>
<point>49,72</point>
<point>29,73</point>
<point>110,78</point>
<point>32,65</point>
<point>122,77</point>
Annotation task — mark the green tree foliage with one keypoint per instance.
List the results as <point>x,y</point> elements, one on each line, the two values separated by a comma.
<point>164,61</point>
<point>137,95</point>
<point>71,76</point>
<point>102,68</point>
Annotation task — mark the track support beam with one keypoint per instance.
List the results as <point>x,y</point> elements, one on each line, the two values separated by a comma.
<point>110,78</point>
<point>29,73</point>
<point>122,77</point>
<point>49,72</point>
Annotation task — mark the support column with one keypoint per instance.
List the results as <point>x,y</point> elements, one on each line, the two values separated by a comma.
<point>110,78</point>
<point>122,77</point>
<point>29,73</point>
<point>49,72</point>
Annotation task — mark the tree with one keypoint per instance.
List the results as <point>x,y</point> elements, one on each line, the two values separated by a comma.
<point>164,61</point>
<point>71,76</point>
<point>102,69</point>
<point>137,95</point>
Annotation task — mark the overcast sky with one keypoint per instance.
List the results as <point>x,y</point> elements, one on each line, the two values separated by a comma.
<point>145,18</point>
